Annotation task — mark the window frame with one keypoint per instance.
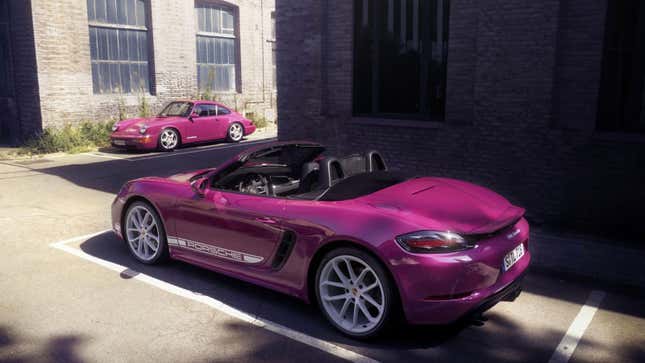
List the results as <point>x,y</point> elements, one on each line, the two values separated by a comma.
<point>234,35</point>
<point>95,25</point>
<point>6,24</point>
<point>370,18</point>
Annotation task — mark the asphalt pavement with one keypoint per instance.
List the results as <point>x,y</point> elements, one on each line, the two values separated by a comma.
<point>70,292</point>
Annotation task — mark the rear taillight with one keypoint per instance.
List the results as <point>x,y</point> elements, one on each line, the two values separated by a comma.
<point>432,242</point>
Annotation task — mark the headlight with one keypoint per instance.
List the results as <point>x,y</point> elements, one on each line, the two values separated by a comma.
<point>142,129</point>
<point>115,127</point>
<point>432,242</point>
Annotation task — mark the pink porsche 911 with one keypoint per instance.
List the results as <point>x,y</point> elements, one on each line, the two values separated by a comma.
<point>364,243</point>
<point>182,122</point>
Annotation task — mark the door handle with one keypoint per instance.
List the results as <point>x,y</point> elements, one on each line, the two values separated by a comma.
<point>266,220</point>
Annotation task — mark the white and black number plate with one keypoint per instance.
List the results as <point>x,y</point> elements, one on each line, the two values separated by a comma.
<point>512,257</point>
<point>119,142</point>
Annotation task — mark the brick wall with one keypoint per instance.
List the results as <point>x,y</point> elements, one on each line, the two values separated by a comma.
<point>64,67</point>
<point>522,84</point>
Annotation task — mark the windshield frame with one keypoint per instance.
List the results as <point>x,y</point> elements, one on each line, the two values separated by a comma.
<point>186,113</point>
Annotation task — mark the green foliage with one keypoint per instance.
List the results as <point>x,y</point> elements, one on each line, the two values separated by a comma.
<point>123,112</point>
<point>144,106</point>
<point>79,138</point>
<point>259,121</point>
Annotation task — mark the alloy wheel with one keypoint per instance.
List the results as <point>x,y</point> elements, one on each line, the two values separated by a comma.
<point>169,139</point>
<point>235,132</point>
<point>352,294</point>
<point>143,233</point>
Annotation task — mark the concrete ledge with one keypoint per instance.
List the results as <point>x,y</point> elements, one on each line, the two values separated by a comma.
<point>584,257</point>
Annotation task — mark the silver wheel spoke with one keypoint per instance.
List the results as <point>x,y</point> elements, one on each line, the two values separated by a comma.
<point>371,300</point>
<point>336,297</point>
<point>369,287</point>
<point>350,269</point>
<point>365,312</point>
<point>335,284</point>
<point>340,274</point>
<point>355,316</point>
<point>343,310</point>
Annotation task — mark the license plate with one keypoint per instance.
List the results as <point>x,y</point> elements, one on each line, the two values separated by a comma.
<point>512,257</point>
<point>119,142</point>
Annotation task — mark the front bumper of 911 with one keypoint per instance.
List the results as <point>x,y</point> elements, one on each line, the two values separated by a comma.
<point>146,142</point>
<point>442,288</point>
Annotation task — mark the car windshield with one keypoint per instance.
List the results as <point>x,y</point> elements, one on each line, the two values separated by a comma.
<point>177,109</point>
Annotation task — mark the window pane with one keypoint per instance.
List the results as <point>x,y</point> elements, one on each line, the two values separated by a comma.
<point>208,20</point>
<point>199,14</point>
<point>111,11</point>
<point>121,12</point>
<point>409,37</point>
<point>93,44</point>
<point>100,10</point>
<point>113,44</point>
<point>133,45</point>
<point>217,26</point>
<point>102,43</point>
<point>143,46</point>
<point>227,22</point>
<point>124,69</point>
<point>91,14</point>
<point>131,11</point>
<point>95,78</point>
<point>141,13</point>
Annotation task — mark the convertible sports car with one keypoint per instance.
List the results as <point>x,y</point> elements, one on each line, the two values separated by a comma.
<point>362,242</point>
<point>182,122</point>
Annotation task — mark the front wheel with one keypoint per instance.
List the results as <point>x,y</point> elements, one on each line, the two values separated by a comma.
<point>354,293</point>
<point>145,234</point>
<point>235,132</point>
<point>168,140</point>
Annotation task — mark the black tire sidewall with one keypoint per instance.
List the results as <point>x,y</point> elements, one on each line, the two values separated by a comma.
<point>228,132</point>
<point>388,290</point>
<point>163,244</point>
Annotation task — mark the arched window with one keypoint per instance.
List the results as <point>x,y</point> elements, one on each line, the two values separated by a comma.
<point>216,47</point>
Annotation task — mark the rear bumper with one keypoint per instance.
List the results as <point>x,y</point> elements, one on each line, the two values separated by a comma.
<point>249,129</point>
<point>442,288</point>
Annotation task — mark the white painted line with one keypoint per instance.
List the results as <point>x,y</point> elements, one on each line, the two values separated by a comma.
<point>569,342</point>
<point>197,149</point>
<point>276,328</point>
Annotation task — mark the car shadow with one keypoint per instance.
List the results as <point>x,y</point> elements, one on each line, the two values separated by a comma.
<point>123,151</point>
<point>259,301</point>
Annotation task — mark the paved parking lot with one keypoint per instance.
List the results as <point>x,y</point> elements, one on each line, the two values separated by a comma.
<point>70,291</point>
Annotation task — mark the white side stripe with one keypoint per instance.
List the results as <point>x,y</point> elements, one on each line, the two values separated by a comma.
<point>323,345</point>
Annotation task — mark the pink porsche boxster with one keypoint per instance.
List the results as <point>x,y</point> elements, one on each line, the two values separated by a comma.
<point>362,242</point>
<point>179,123</point>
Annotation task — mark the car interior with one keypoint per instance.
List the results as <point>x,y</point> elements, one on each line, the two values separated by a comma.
<point>280,173</point>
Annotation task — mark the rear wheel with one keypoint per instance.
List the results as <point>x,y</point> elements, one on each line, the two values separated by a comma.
<point>354,292</point>
<point>145,234</point>
<point>235,132</point>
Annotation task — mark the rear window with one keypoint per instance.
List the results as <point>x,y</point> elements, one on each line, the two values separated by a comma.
<point>361,184</point>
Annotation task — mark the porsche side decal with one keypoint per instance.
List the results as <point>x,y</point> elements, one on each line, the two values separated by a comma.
<point>213,250</point>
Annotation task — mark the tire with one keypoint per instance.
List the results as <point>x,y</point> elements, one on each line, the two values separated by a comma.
<point>169,139</point>
<point>374,282</point>
<point>235,132</point>
<point>144,250</point>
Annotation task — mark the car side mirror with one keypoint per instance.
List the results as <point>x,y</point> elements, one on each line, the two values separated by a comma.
<point>193,115</point>
<point>199,186</point>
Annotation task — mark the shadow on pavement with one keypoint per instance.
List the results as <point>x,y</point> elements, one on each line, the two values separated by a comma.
<point>498,338</point>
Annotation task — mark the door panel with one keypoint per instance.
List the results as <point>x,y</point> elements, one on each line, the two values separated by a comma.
<point>230,229</point>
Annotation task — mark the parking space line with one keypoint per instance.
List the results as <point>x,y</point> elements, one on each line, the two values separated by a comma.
<point>197,149</point>
<point>569,342</point>
<point>276,328</point>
